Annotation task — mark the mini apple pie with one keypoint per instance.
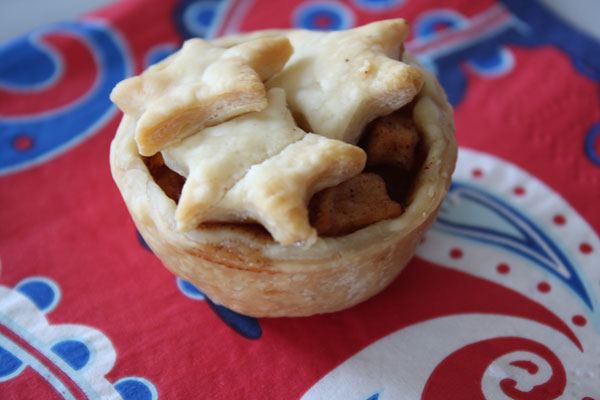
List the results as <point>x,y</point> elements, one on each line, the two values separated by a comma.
<point>285,173</point>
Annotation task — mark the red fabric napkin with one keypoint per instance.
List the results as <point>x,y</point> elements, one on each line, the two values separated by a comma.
<point>500,302</point>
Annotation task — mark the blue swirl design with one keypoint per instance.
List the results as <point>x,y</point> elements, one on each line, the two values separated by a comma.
<point>474,214</point>
<point>30,66</point>
<point>44,70</point>
<point>323,15</point>
<point>197,18</point>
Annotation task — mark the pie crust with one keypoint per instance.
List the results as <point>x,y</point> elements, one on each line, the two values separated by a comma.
<point>242,267</point>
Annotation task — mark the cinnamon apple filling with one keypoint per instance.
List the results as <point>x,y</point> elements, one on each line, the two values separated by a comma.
<point>169,181</point>
<point>381,191</point>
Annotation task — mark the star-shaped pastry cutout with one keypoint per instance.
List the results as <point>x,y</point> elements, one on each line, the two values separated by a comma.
<point>339,81</point>
<point>199,86</point>
<point>259,167</point>
<point>276,192</point>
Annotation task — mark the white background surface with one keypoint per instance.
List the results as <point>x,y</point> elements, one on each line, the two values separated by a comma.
<point>21,16</point>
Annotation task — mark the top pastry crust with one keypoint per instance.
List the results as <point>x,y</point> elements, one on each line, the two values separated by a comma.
<point>339,81</point>
<point>199,86</point>
<point>242,154</point>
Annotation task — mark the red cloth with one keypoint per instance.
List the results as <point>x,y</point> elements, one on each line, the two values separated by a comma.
<point>501,299</point>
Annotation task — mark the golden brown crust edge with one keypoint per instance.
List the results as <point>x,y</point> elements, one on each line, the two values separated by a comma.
<point>251,274</point>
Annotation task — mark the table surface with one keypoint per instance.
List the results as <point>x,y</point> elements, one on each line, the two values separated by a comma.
<point>500,302</point>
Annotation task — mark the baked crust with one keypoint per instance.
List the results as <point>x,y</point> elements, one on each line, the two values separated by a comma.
<point>260,167</point>
<point>337,82</point>
<point>243,268</point>
<point>194,88</point>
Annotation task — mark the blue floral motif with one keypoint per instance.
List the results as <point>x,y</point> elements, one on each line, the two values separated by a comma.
<point>135,388</point>
<point>42,291</point>
<point>43,294</point>
<point>73,352</point>
<point>10,365</point>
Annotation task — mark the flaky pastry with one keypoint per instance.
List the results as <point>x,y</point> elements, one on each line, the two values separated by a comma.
<point>261,167</point>
<point>199,86</point>
<point>252,224</point>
